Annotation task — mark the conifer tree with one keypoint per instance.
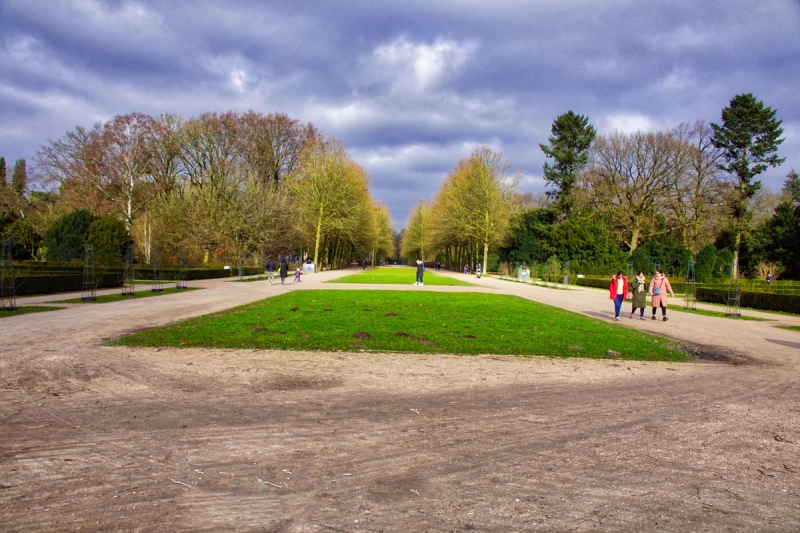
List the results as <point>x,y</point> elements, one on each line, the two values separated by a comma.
<point>748,138</point>
<point>572,135</point>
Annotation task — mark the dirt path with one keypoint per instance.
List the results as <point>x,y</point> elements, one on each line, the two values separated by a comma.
<point>94,438</point>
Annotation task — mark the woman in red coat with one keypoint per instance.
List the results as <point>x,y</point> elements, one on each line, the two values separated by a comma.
<point>618,290</point>
<point>659,287</point>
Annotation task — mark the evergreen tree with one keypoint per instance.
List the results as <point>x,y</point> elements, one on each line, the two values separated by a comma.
<point>2,171</point>
<point>19,179</point>
<point>792,186</point>
<point>572,135</point>
<point>748,138</point>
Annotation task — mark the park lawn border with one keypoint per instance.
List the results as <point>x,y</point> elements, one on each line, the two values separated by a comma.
<point>24,310</point>
<point>109,298</point>
<point>386,321</point>
<point>790,328</point>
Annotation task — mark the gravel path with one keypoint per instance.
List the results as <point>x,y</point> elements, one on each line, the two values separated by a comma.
<point>95,438</point>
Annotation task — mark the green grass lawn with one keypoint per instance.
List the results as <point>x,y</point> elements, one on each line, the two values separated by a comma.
<point>790,328</point>
<point>400,276</point>
<point>718,314</point>
<point>107,298</point>
<point>28,309</point>
<point>423,322</point>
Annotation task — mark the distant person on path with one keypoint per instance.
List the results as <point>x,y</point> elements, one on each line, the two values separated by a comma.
<point>420,272</point>
<point>659,287</point>
<point>364,264</point>
<point>618,290</point>
<point>271,270</point>
<point>284,270</point>
<point>639,289</point>
<point>466,269</point>
<point>478,270</point>
<point>296,274</point>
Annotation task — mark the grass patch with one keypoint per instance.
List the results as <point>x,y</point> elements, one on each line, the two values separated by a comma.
<point>718,314</point>
<point>400,276</point>
<point>790,328</point>
<point>107,298</point>
<point>30,309</point>
<point>421,322</point>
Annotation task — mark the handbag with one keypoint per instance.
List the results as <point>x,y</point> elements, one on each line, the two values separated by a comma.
<point>656,290</point>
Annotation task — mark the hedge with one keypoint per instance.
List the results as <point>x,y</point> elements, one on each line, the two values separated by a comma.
<point>787,303</point>
<point>28,285</point>
<point>597,283</point>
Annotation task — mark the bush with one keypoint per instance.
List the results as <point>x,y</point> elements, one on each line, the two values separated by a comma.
<point>64,240</point>
<point>109,239</point>
<point>787,303</point>
<point>596,282</point>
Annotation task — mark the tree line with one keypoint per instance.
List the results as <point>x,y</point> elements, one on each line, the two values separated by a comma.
<point>217,188</point>
<point>673,195</point>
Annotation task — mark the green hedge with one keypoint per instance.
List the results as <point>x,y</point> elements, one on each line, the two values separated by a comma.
<point>29,285</point>
<point>788,303</point>
<point>597,283</point>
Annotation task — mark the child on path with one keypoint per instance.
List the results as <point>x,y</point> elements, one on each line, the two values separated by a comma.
<point>618,290</point>
<point>639,289</point>
<point>420,272</point>
<point>296,274</point>
<point>659,287</point>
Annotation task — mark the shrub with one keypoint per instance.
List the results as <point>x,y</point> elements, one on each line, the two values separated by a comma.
<point>64,240</point>
<point>787,303</point>
<point>110,240</point>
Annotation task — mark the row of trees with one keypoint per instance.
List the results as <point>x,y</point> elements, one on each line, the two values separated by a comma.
<point>674,193</point>
<point>219,186</point>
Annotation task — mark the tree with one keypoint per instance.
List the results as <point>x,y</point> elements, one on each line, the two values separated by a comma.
<point>694,187</point>
<point>748,138</point>
<point>791,187</point>
<point>628,179</point>
<point>19,179</point>
<point>3,171</point>
<point>478,199</point>
<point>572,135</point>
<point>328,191</point>
<point>417,232</point>
<point>65,239</point>
<point>109,239</point>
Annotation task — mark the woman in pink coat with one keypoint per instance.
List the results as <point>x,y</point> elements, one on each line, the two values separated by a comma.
<point>659,287</point>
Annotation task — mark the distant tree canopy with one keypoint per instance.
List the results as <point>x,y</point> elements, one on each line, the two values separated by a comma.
<point>219,187</point>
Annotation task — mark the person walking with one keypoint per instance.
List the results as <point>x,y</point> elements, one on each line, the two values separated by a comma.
<point>420,272</point>
<point>618,290</point>
<point>284,270</point>
<point>297,274</point>
<point>639,289</point>
<point>466,268</point>
<point>659,287</point>
<point>479,270</point>
<point>271,270</point>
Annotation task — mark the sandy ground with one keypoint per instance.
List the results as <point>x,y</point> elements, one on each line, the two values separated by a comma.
<point>96,438</point>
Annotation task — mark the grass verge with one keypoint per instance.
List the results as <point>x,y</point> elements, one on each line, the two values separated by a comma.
<point>421,322</point>
<point>400,276</point>
<point>107,298</point>
<point>718,314</point>
<point>790,328</point>
<point>29,309</point>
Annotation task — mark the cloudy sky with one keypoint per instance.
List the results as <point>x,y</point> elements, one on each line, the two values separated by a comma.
<point>410,86</point>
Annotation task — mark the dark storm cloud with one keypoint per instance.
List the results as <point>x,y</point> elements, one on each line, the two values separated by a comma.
<point>410,87</point>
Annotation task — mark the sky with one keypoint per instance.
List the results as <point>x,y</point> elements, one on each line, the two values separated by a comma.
<point>412,86</point>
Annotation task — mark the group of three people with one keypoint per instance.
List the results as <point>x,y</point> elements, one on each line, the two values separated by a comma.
<point>658,290</point>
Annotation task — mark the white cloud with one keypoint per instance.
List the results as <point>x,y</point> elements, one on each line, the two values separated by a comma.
<point>406,65</point>
<point>626,123</point>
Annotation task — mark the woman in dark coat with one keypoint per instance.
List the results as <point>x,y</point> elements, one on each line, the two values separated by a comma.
<point>284,270</point>
<point>639,289</point>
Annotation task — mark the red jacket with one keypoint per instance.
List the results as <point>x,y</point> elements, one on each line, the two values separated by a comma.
<point>613,287</point>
